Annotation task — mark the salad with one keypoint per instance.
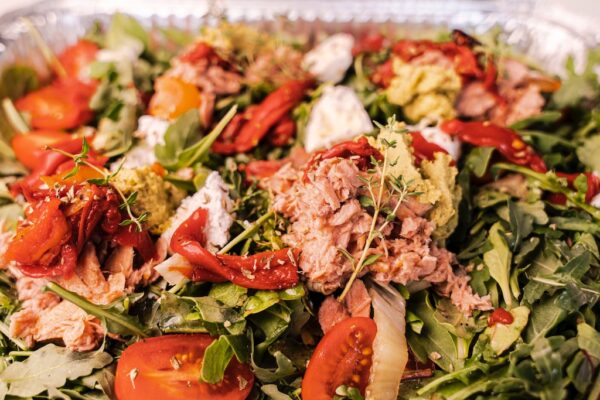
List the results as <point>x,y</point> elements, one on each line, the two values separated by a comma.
<point>241,214</point>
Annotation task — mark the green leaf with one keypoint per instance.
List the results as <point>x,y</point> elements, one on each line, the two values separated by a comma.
<point>545,315</point>
<point>284,368</point>
<point>478,160</point>
<point>216,359</point>
<point>273,392</point>
<point>175,314</point>
<point>49,368</point>
<point>434,341</point>
<point>229,294</point>
<point>260,301</point>
<point>588,151</point>
<point>578,87</point>
<point>498,261</point>
<point>545,117</point>
<point>124,28</point>
<point>588,339</point>
<point>178,136</point>
<point>502,336</point>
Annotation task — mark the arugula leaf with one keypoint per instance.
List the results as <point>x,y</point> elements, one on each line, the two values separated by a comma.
<point>216,359</point>
<point>49,368</point>
<point>229,294</point>
<point>260,301</point>
<point>434,342</point>
<point>498,261</point>
<point>545,117</point>
<point>272,391</point>
<point>178,136</point>
<point>176,314</point>
<point>588,339</point>
<point>284,368</point>
<point>478,160</point>
<point>544,317</point>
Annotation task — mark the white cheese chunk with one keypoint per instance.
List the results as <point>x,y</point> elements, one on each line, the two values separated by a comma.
<point>450,144</point>
<point>595,201</point>
<point>214,197</point>
<point>330,59</point>
<point>337,116</point>
<point>151,131</point>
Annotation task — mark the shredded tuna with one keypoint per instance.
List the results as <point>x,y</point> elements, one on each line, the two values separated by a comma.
<point>209,78</point>
<point>44,317</point>
<point>275,67</point>
<point>356,304</point>
<point>327,220</point>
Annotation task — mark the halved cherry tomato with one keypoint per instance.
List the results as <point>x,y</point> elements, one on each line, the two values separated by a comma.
<point>342,357</point>
<point>29,147</point>
<point>168,367</point>
<point>173,97</point>
<point>76,58</point>
<point>62,105</point>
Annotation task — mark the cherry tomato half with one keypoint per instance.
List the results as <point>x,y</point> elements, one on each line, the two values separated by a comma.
<point>173,97</point>
<point>168,367</point>
<point>342,357</point>
<point>29,147</point>
<point>75,59</point>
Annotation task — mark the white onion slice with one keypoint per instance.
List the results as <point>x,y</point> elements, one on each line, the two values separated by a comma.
<point>390,352</point>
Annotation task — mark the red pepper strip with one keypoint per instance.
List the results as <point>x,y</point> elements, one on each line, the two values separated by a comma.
<point>261,169</point>
<point>200,52</point>
<point>283,133</point>
<point>141,241</point>
<point>42,239</point>
<point>505,140</point>
<point>52,163</point>
<point>370,43</point>
<point>65,265</point>
<point>423,149</point>
<point>383,74</point>
<point>593,183</point>
<point>264,117</point>
<point>500,316</point>
<point>268,270</point>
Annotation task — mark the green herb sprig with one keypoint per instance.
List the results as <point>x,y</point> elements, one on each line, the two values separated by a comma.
<point>127,201</point>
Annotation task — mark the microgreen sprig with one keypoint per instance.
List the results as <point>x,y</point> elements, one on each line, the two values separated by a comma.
<point>376,183</point>
<point>127,201</point>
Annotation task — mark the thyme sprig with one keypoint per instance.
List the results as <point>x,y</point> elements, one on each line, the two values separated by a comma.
<point>377,183</point>
<point>127,201</point>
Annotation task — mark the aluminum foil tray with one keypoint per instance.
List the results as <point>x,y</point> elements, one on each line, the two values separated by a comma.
<point>544,33</point>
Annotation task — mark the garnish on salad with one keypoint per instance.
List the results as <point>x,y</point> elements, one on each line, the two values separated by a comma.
<point>241,214</point>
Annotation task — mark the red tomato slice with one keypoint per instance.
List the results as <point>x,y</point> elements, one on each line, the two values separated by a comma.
<point>343,357</point>
<point>29,147</point>
<point>168,368</point>
<point>62,105</point>
<point>75,59</point>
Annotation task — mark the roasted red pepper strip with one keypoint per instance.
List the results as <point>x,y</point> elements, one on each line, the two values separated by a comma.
<point>51,163</point>
<point>41,240</point>
<point>505,140</point>
<point>141,241</point>
<point>268,270</point>
<point>282,133</point>
<point>423,149</point>
<point>245,136</point>
<point>359,148</point>
<point>62,105</point>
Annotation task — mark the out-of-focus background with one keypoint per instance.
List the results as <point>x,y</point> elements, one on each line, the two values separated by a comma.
<point>587,8</point>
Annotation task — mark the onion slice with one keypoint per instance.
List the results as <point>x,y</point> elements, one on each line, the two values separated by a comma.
<point>390,351</point>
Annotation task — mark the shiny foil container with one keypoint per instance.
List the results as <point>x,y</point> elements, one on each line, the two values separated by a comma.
<point>544,32</point>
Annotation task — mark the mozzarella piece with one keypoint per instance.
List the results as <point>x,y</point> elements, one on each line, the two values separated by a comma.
<point>330,59</point>
<point>595,201</point>
<point>214,197</point>
<point>450,144</point>
<point>337,116</point>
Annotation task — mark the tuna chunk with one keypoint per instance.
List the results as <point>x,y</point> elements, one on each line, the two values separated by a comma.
<point>357,303</point>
